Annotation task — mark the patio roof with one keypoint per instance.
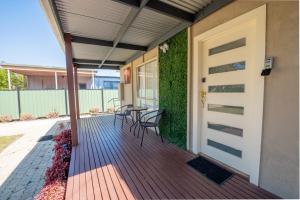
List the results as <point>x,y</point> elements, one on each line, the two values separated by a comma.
<point>43,70</point>
<point>108,33</point>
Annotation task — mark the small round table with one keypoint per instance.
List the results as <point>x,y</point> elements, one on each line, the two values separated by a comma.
<point>137,110</point>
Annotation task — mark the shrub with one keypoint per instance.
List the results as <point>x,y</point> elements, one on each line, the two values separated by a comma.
<point>57,174</point>
<point>61,158</point>
<point>52,115</point>
<point>26,116</point>
<point>55,190</point>
<point>94,111</point>
<point>6,118</point>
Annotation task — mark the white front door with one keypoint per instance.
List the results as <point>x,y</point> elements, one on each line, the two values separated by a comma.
<point>231,95</point>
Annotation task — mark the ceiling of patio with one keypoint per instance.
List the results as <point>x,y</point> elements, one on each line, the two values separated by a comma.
<point>109,33</point>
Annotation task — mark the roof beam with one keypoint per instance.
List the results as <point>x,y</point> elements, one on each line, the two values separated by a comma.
<point>91,66</point>
<point>135,3</point>
<point>93,41</point>
<point>85,40</point>
<point>128,21</point>
<point>98,62</point>
<point>131,46</point>
<point>170,10</point>
<point>163,8</point>
<point>110,67</point>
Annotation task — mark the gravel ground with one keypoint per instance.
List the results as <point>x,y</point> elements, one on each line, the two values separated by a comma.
<point>24,162</point>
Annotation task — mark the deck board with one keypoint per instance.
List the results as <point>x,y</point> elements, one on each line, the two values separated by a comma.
<point>70,183</point>
<point>95,180</point>
<point>109,163</point>
<point>88,176</point>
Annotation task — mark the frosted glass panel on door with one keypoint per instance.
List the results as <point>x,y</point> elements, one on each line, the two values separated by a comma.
<point>225,129</point>
<point>227,67</point>
<point>226,88</point>
<point>228,46</point>
<point>225,148</point>
<point>237,110</point>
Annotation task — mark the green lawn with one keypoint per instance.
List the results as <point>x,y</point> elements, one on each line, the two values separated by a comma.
<point>7,140</point>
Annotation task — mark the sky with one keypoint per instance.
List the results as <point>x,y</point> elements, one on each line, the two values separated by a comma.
<point>26,36</point>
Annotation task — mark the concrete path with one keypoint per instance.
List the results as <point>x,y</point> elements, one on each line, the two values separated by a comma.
<point>24,162</point>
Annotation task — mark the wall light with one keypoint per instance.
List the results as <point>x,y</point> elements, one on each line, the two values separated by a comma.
<point>164,47</point>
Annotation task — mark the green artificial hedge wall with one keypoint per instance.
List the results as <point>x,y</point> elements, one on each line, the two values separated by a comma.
<point>173,89</point>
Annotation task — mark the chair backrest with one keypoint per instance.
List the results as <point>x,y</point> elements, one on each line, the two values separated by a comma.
<point>124,109</point>
<point>154,116</point>
<point>116,102</point>
<point>159,115</point>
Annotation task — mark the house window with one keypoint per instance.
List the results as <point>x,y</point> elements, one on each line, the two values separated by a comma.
<point>82,86</point>
<point>110,84</point>
<point>147,84</point>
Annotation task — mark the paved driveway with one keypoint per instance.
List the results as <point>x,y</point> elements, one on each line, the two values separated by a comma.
<point>24,162</point>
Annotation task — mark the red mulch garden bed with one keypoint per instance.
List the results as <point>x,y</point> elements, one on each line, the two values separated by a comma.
<point>57,174</point>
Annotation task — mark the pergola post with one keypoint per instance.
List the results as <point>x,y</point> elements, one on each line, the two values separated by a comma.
<point>71,88</point>
<point>76,92</point>
<point>93,80</point>
<point>55,77</point>
<point>8,79</point>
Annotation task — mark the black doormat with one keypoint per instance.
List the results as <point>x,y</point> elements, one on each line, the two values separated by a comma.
<point>45,138</point>
<point>212,171</point>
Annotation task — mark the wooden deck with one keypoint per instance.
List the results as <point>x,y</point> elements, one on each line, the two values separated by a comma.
<point>109,163</point>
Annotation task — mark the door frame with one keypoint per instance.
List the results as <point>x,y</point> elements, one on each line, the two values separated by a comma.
<point>259,15</point>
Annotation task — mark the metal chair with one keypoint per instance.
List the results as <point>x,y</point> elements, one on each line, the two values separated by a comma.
<point>123,112</point>
<point>116,103</point>
<point>146,122</point>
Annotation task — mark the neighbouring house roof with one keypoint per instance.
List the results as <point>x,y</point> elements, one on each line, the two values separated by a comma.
<point>106,34</point>
<point>34,70</point>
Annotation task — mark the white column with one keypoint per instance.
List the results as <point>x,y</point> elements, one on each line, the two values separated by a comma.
<point>93,80</point>
<point>56,85</point>
<point>8,79</point>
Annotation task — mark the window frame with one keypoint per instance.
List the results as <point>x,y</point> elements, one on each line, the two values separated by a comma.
<point>145,98</point>
<point>112,84</point>
<point>82,84</point>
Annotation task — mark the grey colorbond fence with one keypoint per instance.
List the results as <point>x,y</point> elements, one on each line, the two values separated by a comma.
<point>40,102</point>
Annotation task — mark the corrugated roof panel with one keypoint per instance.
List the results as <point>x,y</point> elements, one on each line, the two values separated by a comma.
<point>122,54</point>
<point>86,51</point>
<point>92,18</point>
<point>100,9</point>
<point>89,27</point>
<point>139,37</point>
<point>152,21</point>
<point>197,3</point>
<point>148,26</point>
<point>191,6</point>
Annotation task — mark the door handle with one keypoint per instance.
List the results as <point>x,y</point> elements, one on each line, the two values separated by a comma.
<point>203,97</point>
